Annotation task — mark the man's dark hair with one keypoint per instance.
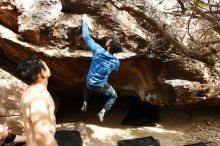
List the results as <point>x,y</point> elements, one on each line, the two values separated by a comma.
<point>30,68</point>
<point>115,45</point>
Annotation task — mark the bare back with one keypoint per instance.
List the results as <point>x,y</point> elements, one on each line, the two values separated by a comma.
<point>37,109</point>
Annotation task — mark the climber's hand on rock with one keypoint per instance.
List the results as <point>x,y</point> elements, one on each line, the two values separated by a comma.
<point>85,17</point>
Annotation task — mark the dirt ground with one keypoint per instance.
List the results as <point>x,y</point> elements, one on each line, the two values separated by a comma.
<point>177,126</point>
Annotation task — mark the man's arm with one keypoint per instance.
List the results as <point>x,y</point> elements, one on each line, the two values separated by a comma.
<point>6,137</point>
<point>117,65</point>
<point>4,132</point>
<point>87,38</point>
<point>40,118</point>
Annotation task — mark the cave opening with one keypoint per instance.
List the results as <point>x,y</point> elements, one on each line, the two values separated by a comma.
<point>173,121</point>
<point>70,102</point>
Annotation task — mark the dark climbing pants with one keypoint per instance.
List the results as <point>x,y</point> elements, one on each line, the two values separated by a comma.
<point>106,90</point>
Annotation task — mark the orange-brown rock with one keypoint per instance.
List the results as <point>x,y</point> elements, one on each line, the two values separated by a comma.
<point>157,72</point>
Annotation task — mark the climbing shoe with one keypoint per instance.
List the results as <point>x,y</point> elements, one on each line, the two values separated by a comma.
<point>101,115</point>
<point>84,107</point>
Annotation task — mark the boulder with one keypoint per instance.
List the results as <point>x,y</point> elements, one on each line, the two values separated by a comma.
<point>10,93</point>
<point>157,62</point>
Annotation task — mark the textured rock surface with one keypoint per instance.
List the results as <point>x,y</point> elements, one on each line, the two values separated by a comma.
<point>10,93</point>
<point>151,67</point>
<point>156,72</point>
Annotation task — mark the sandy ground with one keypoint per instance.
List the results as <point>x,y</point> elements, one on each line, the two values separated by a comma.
<point>177,126</point>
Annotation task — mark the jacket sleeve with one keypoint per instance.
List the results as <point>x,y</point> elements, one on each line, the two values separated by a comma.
<point>87,38</point>
<point>116,67</point>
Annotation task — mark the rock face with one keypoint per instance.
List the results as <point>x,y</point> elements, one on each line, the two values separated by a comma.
<point>10,93</point>
<point>151,66</point>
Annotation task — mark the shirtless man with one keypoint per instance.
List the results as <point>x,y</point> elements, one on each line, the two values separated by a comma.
<point>37,106</point>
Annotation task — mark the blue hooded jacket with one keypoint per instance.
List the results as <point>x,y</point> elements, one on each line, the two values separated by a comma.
<point>103,62</point>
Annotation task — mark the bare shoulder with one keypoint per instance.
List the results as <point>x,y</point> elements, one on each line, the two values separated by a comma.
<point>34,92</point>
